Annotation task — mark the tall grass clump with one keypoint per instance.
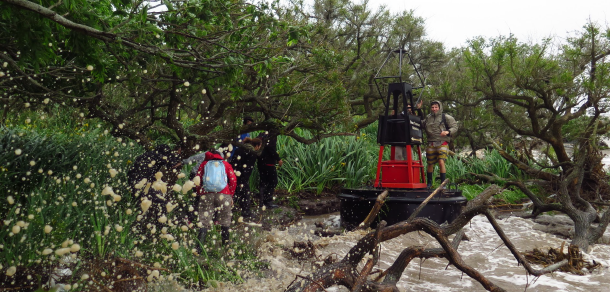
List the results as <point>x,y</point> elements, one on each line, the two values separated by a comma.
<point>348,161</point>
<point>492,163</point>
<point>64,192</point>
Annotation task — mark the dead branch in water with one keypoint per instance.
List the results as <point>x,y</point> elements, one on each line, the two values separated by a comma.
<point>374,211</point>
<point>346,273</point>
<point>425,202</point>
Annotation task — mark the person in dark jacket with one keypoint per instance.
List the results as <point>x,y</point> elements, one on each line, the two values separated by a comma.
<point>267,171</point>
<point>243,161</point>
<point>211,201</point>
<point>148,164</point>
<point>143,181</point>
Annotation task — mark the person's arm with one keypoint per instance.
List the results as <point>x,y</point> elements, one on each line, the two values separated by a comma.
<point>231,178</point>
<point>200,175</point>
<point>453,125</point>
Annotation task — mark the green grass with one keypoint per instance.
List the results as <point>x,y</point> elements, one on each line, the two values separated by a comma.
<point>508,196</point>
<point>348,161</point>
<point>351,161</point>
<point>53,172</point>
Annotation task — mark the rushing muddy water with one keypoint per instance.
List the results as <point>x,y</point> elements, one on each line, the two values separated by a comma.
<point>484,252</point>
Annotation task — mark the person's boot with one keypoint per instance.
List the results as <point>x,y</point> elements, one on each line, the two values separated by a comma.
<point>270,205</point>
<point>443,177</point>
<point>203,233</point>
<point>224,234</point>
<point>429,179</point>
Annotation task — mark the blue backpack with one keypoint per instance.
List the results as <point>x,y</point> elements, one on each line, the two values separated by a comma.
<point>214,176</point>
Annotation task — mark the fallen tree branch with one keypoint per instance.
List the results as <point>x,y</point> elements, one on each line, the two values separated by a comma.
<point>376,208</point>
<point>368,267</point>
<point>520,258</point>
<point>425,202</point>
<point>345,271</point>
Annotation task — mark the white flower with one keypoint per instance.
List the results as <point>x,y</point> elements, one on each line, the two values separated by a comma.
<point>16,229</point>
<point>18,152</point>
<point>11,271</point>
<point>186,83</point>
<point>75,248</point>
<point>48,229</point>
<point>113,172</point>
<point>175,245</point>
<point>46,101</point>
<point>62,251</point>
<point>162,219</point>
<point>145,205</point>
<point>203,91</point>
<point>10,200</point>
<point>118,228</point>
<point>188,185</point>
<point>47,251</point>
<point>107,191</point>
<point>170,207</point>
<point>89,67</point>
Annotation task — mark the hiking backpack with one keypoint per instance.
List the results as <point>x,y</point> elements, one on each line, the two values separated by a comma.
<point>214,177</point>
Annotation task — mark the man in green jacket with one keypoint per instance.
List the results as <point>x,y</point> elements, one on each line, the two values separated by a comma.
<point>439,129</point>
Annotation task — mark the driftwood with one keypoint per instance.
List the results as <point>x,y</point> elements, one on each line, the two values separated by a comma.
<point>346,273</point>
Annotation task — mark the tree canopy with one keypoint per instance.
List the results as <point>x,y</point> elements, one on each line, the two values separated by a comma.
<point>191,70</point>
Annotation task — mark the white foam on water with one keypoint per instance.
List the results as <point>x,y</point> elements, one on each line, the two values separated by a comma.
<point>484,252</point>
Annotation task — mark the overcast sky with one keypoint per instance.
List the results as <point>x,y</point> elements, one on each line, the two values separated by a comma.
<point>455,21</point>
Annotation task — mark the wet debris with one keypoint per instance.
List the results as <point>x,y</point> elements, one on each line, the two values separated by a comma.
<point>576,264</point>
<point>302,250</point>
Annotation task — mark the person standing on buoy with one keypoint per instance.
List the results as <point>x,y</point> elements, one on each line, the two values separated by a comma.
<point>440,127</point>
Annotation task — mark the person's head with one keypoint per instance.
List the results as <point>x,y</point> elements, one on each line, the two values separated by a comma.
<point>435,107</point>
<point>256,143</point>
<point>409,109</point>
<point>248,120</point>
